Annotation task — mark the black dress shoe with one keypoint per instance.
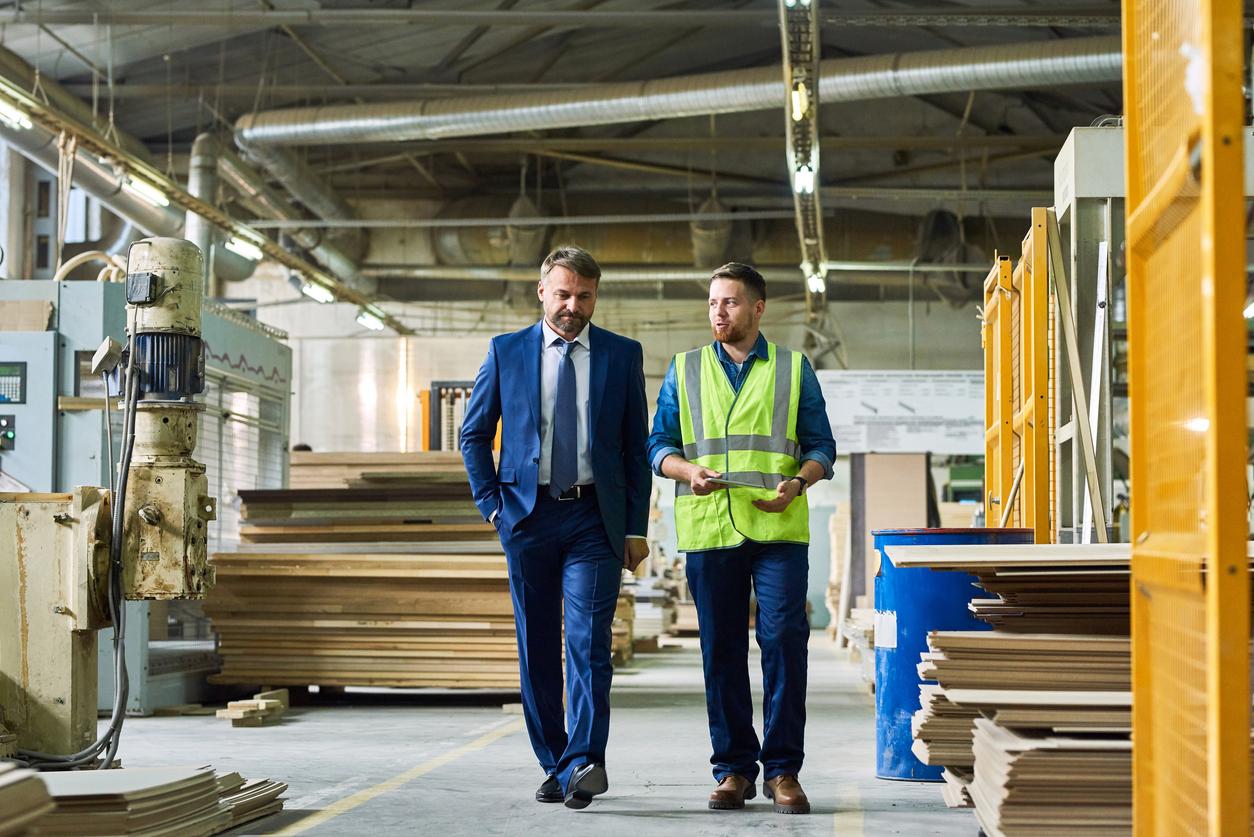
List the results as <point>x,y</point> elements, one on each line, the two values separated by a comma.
<point>586,782</point>
<point>550,791</point>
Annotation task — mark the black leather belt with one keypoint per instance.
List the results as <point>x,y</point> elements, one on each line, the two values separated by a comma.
<point>575,492</point>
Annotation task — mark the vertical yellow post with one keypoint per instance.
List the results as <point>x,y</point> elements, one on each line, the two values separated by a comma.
<point>1187,386</point>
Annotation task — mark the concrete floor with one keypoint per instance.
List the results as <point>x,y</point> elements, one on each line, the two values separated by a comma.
<point>392,765</point>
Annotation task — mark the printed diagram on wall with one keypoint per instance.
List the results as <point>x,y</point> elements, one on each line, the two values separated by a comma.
<point>905,411</point>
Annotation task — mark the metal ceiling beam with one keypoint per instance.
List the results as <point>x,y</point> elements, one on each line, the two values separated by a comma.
<point>1006,16</point>
<point>648,272</point>
<point>537,221</point>
<point>142,90</point>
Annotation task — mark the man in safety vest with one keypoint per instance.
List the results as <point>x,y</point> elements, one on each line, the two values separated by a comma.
<point>742,428</point>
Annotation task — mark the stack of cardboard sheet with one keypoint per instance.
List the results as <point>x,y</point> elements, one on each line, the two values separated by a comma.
<point>24,800</point>
<point>655,607</point>
<point>362,616</point>
<point>1052,662</point>
<point>138,801</point>
<point>1040,783</point>
<point>248,801</point>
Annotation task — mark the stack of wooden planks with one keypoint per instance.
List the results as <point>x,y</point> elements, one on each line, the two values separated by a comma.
<point>264,709</point>
<point>622,645</point>
<point>1057,666</point>
<point>24,800</point>
<point>1041,783</point>
<point>248,801</point>
<point>156,800</point>
<point>358,469</point>
<point>361,616</point>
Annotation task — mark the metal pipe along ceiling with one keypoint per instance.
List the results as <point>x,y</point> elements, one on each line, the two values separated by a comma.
<point>1037,63</point>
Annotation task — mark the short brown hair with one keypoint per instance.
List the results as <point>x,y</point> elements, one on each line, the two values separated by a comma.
<point>574,259</point>
<point>745,275</point>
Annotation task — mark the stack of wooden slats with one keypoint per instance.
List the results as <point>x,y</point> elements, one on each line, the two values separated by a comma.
<point>358,469</point>
<point>1058,662</point>
<point>248,801</point>
<point>264,709</point>
<point>1039,783</point>
<point>157,800</point>
<point>622,646</point>
<point>24,800</point>
<point>377,570</point>
<point>339,617</point>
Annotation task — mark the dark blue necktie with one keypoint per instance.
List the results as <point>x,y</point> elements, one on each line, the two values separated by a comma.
<point>564,466</point>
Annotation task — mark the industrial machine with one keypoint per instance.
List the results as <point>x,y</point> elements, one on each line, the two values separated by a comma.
<point>81,552</point>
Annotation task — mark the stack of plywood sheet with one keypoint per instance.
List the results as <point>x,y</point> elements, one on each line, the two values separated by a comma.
<point>655,607</point>
<point>1040,783</point>
<point>249,801</point>
<point>361,616</point>
<point>157,800</point>
<point>356,469</point>
<point>623,643</point>
<point>1039,588</point>
<point>24,800</point>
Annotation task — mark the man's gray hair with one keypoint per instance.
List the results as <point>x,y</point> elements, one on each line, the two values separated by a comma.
<point>574,259</point>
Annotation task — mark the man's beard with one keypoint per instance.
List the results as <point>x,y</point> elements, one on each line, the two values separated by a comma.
<point>568,324</point>
<point>731,333</point>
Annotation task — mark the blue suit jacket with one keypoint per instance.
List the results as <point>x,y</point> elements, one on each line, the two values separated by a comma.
<point>507,388</point>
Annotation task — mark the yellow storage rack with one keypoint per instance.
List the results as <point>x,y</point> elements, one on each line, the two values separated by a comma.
<point>1187,386</point>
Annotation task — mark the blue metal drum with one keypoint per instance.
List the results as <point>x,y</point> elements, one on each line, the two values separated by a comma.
<point>908,604</point>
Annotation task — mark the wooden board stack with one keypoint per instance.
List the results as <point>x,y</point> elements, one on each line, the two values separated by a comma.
<point>622,646</point>
<point>264,709</point>
<point>362,616</point>
<point>375,569</point>
<point>137,801</point>
<point>24,800</point>
<point>248,801</point>
<point>655,607</point>
<point>1060,614</point>
<point>356,469</point>
<point>1038,783</point>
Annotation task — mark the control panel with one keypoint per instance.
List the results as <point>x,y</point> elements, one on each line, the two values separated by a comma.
<point>8,432</point>
<point>12,382</point>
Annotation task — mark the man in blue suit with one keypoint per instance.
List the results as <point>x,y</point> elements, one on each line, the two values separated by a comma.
<point>570,502</point>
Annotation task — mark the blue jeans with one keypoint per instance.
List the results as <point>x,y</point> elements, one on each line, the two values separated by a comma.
<point>720,581</point>
<point>561,562</point>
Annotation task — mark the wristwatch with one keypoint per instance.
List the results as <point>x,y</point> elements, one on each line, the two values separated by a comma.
<point>804,483</point>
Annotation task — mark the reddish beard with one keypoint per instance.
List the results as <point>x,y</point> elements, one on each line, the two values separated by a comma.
<point>730,333</point>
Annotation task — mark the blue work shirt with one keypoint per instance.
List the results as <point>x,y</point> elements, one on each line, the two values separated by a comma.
<point>814,431</point>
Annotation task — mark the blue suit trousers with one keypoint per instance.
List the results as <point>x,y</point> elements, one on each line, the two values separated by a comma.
<point>720,581</point>
<point>561,564</point>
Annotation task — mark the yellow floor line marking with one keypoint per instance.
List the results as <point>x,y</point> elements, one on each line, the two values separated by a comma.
<point>348,803</point>
<point>848,819</point>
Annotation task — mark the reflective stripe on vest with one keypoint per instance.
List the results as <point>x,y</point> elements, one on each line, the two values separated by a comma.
<point>750,436</point>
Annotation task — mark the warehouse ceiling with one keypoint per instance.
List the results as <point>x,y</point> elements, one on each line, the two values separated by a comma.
<point>172,69</point>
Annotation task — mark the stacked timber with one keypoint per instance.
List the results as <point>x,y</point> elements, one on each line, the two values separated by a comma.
<point>1011,713</point>
<point>357,615</point>
<point>156,800</point>
<point>248,801</point>
<point>622,645</point>
<point>378,470</point>
<point>655,607</point>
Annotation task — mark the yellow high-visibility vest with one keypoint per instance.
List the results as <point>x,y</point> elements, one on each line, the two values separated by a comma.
<point>750,436</point>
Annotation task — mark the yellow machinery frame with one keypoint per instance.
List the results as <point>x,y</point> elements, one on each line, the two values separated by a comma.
<point>1187,385</point>
<point>1018,390</point>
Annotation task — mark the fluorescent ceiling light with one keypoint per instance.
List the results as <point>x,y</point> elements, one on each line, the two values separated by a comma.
<point>803,180</point>
<point>318,293</point>
<point>366,319</point>
<point>13,116</point>
<point>145,190</point>
<point>244,247</point>
<point>800,101</point>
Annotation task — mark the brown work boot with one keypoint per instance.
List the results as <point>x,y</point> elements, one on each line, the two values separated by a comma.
<point>732,792</point>
<point>787,794</point>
